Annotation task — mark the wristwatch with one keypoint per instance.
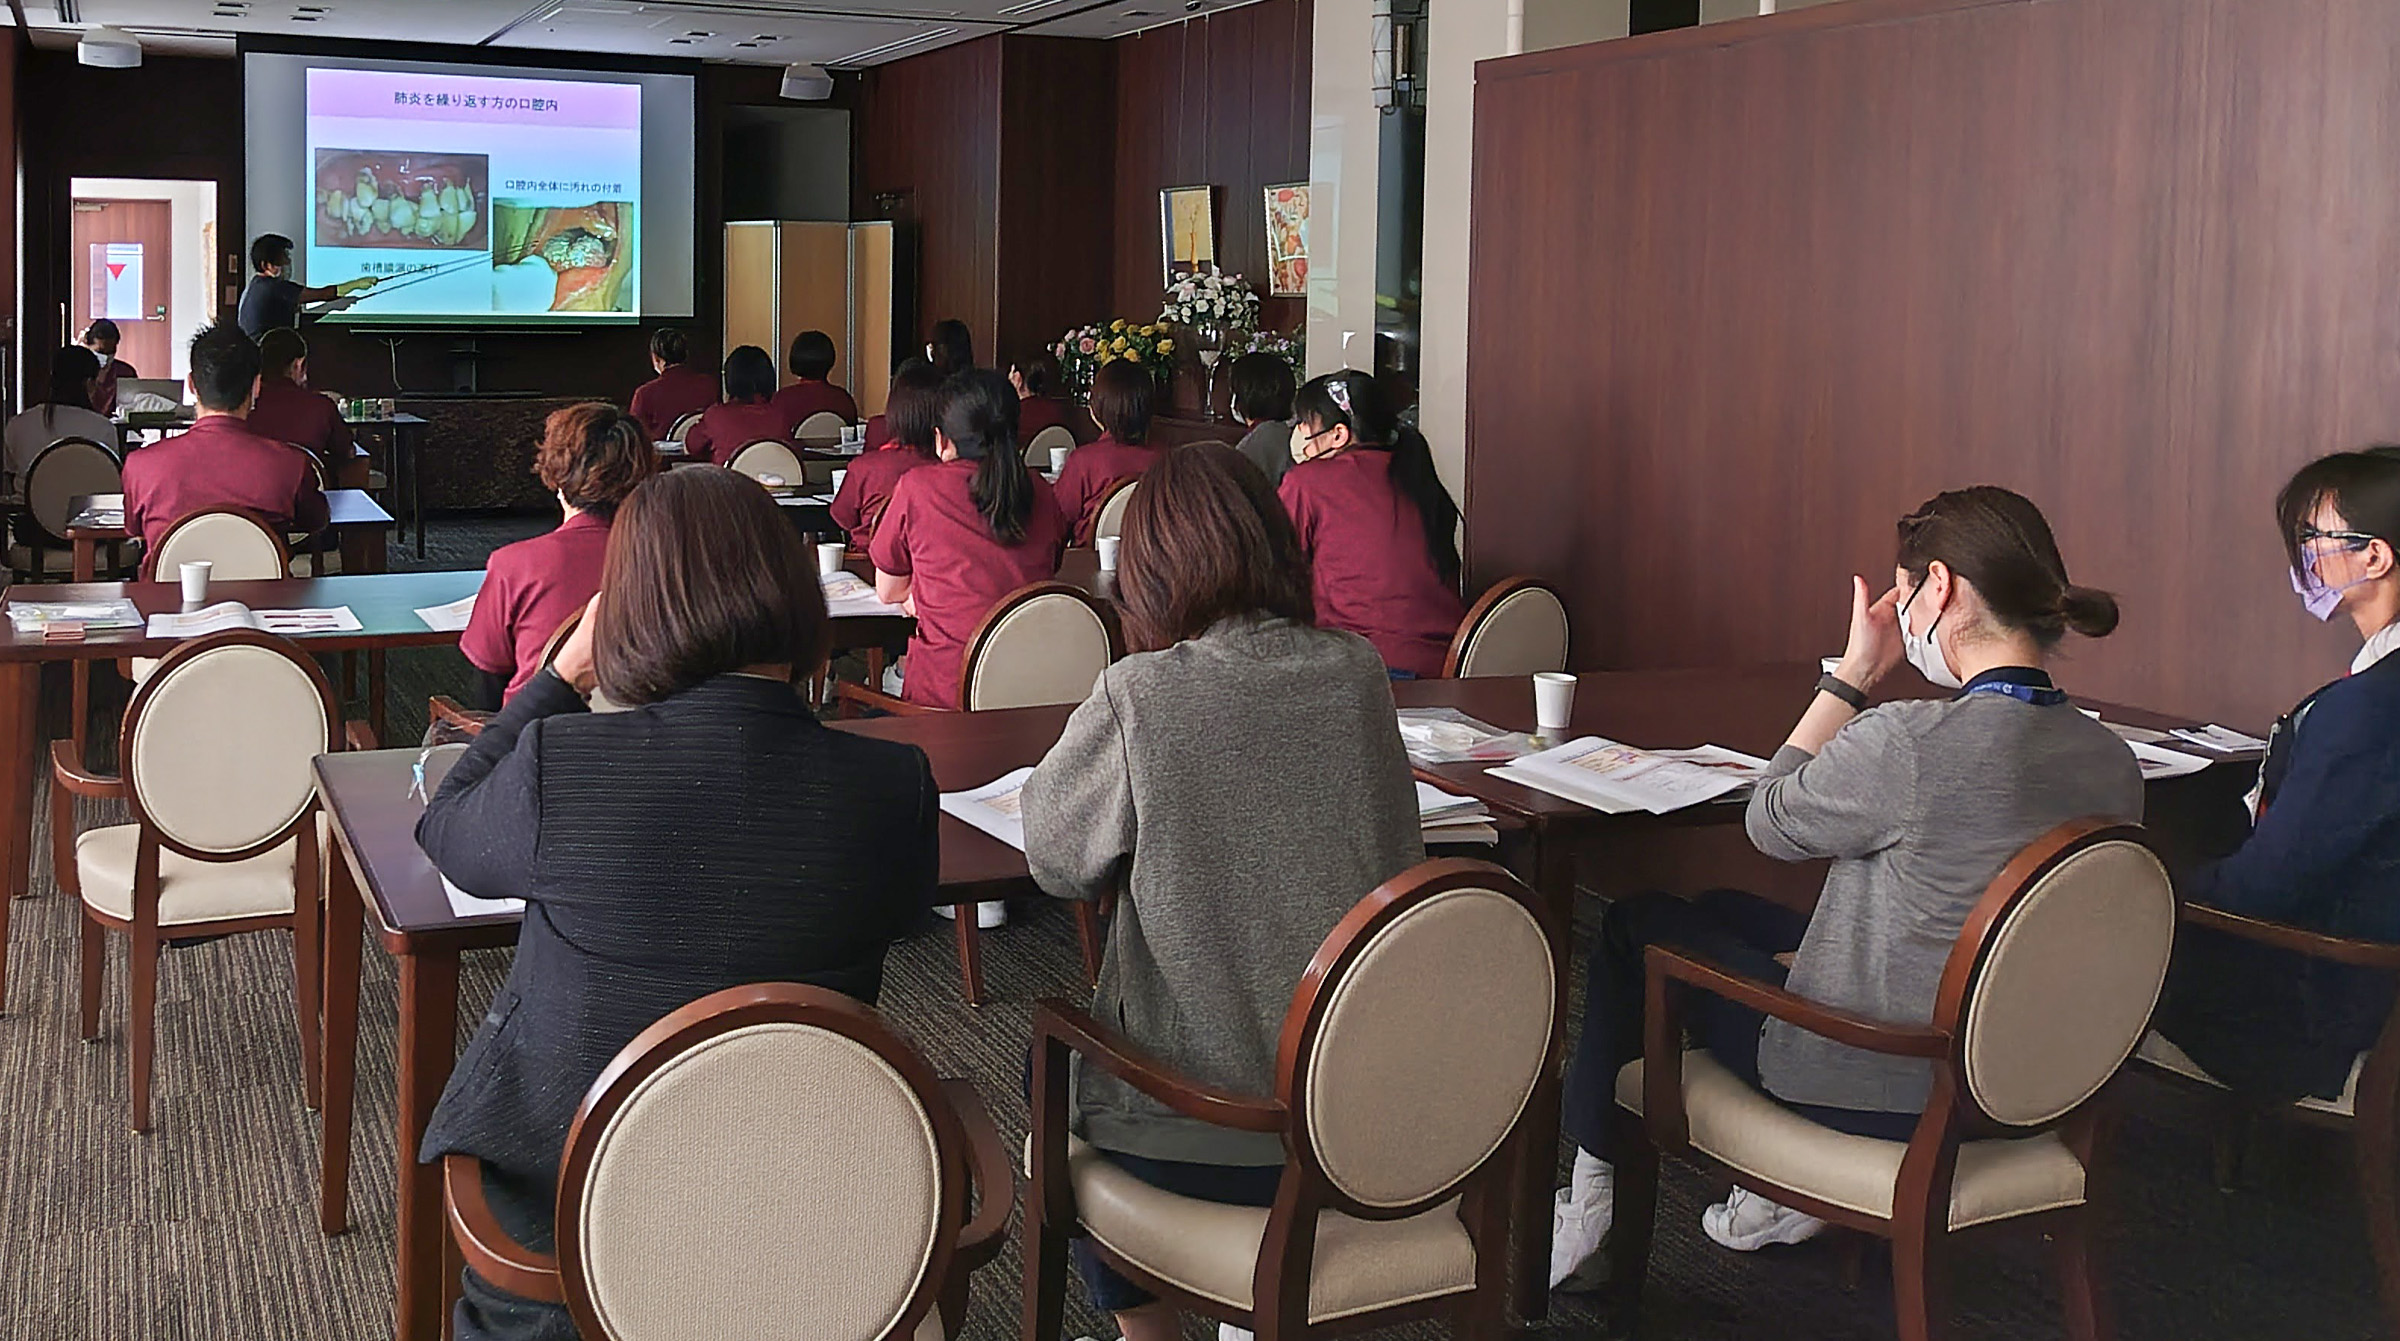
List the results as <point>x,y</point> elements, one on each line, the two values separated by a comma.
<point>1843,690</point>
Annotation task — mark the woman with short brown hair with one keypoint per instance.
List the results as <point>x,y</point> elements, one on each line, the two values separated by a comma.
<point>713,834</point>
<point>1242,773</point>
<point>591,456</point>
<point>1124,395</point>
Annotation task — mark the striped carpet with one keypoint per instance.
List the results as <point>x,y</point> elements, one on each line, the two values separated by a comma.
<point>206,1227</point>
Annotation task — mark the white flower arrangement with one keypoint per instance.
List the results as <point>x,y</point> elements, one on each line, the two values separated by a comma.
<point>1211,296</point>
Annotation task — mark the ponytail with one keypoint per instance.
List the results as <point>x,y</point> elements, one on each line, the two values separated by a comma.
<point>1413,474</point>
<point>979,417</point>
<point>1353,400</point>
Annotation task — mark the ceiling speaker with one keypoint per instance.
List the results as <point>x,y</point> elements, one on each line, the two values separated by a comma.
<point>109,48</point>
<point>807,83</point>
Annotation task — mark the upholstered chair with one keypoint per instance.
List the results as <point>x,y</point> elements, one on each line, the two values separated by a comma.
<point>1518,628</point>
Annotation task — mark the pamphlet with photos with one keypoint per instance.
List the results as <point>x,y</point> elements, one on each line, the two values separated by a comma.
<point>235,615</point>
<point>1615,778</point>
<point>847,595</point>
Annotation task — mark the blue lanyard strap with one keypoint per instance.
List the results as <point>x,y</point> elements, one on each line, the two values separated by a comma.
<point>2037,695</point>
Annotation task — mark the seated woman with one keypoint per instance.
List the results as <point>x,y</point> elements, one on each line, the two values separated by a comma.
<point>950,347</point>
<point>1035,377</point>
<point>1375,521</point>
<point>868,483</point>
<point>101,339</point>
<point>1318,810</point>
<point>287,411</point>
<point>2325,844</point>
<point>747,414</point>
<point>678,390</point>
<point>963,532</point>
<point>813,358</point>
<point>1262,400</point>
<point>591,457</point>
<point>65,411</point>
<point>1919,803</point>
<point>709,613</point>
<point>1122,394</point>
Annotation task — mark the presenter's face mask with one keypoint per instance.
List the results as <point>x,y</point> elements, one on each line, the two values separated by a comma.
<point>1924,651</point>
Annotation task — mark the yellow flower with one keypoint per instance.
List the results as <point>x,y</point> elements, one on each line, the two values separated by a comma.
<point>1117,325</point>
<point>1119,345</point>
<point>1166,346</point>
<point>1106,357</point>
<point>1149,330</point>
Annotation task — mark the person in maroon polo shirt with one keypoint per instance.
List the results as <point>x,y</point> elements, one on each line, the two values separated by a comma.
<point>1375,521</point>
<point>678,390</point>
<point>1035,377</point>
<point>101,338</point>
<point>591,456</point>
<point>812,362</point>
<point>288,411</point>
<point>1121,399</point>
<point>747,415</point>
<point>220,461</point>
<point>868,483</point>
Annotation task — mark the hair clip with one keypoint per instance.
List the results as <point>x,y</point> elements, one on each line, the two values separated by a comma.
<point>1338,387</point>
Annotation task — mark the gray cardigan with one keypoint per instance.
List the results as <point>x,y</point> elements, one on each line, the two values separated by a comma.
<point>1250,787</point>
<point>1919,804</point>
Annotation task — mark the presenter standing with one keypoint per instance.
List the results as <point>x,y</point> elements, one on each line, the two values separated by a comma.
<point>272,302</point>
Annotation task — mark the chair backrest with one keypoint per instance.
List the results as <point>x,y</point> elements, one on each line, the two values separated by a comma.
<point>1042,644</point>
<point>1417,1035</point>
<point>823,426</point>
<point>1111,520</point>
<point>67,469</point>
<point>766,1152</point>
<point>682,426</point>
<point>241,544</point>
<point>2051,985</point>
<point>767,457</point>
<point>217,744</point>
<point>1038,451</point>
<point>1518,628</point>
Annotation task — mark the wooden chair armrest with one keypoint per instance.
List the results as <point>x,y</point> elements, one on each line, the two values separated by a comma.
<point>995,1179</point>
<point>1116,1054</point>
<point>1850,1030</point>
<point>2315,944</point>
<point>850,695</point>
<point>359,736</point>
<point>451,713</point>
<point>488,1250</point>
<point>68,771</point>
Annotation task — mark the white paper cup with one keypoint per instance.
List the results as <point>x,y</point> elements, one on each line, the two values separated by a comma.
<point>838,477</point>
<point>195,581</point>
<point>1107,545</point>
<point>1553,702</point>
<point>829,558</point>
<point>1058,458</point>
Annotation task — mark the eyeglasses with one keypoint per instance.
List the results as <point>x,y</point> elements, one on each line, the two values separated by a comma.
<point>2314,544</point>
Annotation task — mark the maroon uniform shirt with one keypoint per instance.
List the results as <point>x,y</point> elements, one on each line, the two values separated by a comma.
<point>1366,542</point>
<point>529,589</point>
<point>219,462</point>
<point>728,428</point>
<point>1035,413</point>
<point>671,395</point>
<point>1092,471</point>
<point>933,536</point>
<point>289,412</point>
<point>867,489</point>
<point>804,398</point>
<point>104,389</point>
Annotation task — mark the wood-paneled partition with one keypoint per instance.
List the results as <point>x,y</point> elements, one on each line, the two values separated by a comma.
<point>1744,294</point>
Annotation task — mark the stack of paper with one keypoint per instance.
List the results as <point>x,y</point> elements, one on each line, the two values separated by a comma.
<point>1453,819</point>
<point>463,904</point>
<point>2159,763</point>
<point>2222,739</point>
<point>805,500</point>
<point>848,596</point>
<point>1618,778</point>
<point>1448,736</point>
<point>993,807</point>
<point>34,616</point>
<point>451,618</point>
<point>235,615</point>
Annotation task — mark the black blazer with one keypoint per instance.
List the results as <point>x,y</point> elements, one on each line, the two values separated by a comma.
<point>721,837</point>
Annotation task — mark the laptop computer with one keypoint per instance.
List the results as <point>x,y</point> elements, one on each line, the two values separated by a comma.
<point>169,387</point>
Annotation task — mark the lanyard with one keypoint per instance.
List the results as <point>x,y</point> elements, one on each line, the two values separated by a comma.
<point>2037,695</point>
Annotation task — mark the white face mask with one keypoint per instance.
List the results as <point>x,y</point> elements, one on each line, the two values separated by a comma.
<point>1299,443</point>
<point>1924,650</point>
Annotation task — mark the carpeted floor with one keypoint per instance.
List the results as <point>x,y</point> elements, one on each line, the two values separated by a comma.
<point>205,1229</point>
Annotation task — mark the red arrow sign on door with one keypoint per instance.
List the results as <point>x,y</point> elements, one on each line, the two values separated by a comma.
<point>116,270</point>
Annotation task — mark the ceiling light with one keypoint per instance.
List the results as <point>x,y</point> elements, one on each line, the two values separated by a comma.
<point>807,83</point>
<point>109,48</point>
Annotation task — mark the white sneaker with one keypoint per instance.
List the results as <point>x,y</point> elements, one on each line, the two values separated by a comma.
<point>1579,1219</point>
<point>987,916</point>
<point>1747,1222</point>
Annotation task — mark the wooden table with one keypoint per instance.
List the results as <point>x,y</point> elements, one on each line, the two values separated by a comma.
<point>386,605</point>
<point>357,521</point>
<point>403,436</point>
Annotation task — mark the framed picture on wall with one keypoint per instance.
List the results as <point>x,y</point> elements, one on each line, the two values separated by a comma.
<point>1187,230</point>
<point>1287,240</point>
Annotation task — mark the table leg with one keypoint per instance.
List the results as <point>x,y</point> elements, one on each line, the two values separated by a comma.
<point>428,1048</point>
<point>416,493</point>
<point>344,914</point>
<point>20,755</point>
<point>1552,865</point>
<point>87,560</point>
<point>375,695</point>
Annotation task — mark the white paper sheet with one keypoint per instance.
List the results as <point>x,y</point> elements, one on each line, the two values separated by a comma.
<point>2157,763</point>
<point>204,621</point>
<point>804,500</point>
<point>463,904</point>
<point>847,596</point>
<point>451,618</point>
<point>326,619</point>
<point>1616,778</point>
<point>2222,739</point>
<point>992,807</point>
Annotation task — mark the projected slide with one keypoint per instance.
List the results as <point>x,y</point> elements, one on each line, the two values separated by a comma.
<point>475,196</point>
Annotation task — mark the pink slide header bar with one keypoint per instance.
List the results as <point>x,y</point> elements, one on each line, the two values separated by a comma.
<point>477,99</point>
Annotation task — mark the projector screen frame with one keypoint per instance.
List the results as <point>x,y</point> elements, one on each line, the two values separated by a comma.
<point>527,62</point>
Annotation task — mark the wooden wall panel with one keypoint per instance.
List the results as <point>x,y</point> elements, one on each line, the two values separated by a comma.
<point>1057,188</point>
<point>1221,100</point>
<point>931,131</point>
<point>1752,291</point>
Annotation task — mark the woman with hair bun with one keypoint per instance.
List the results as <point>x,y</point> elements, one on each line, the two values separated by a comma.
<point>1919,803</point>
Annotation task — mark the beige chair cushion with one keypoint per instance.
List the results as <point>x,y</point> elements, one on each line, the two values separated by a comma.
<point>62,473</point>
<point>1037,452</point>
<point>1735,1123</point>
<point>823,426</point>
<point>1111,520</point>
<point>2161,1052</point>
<point>1048,650</point>
<point>760,460</point>
<point>220,753</point>
<point>237,547</point>
<point>1428,1047</point>
<point>1211,1249</point>
<point>1526,632</point>
<point>2068,983</point>
<point>778,1171</point>
<point>189,890</point>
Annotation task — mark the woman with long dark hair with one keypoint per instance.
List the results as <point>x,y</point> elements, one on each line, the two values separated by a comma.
<point>867,484</point>
<point>1375,521</point>
<point>64,411</point>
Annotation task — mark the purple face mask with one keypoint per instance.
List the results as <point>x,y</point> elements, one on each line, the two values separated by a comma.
<point>2320,600</point>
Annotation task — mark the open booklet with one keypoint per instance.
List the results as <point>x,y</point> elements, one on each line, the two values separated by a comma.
<point>847,594</point>
<point>997,808</point>
<point>235,615</point>
<point>1618,778</point>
